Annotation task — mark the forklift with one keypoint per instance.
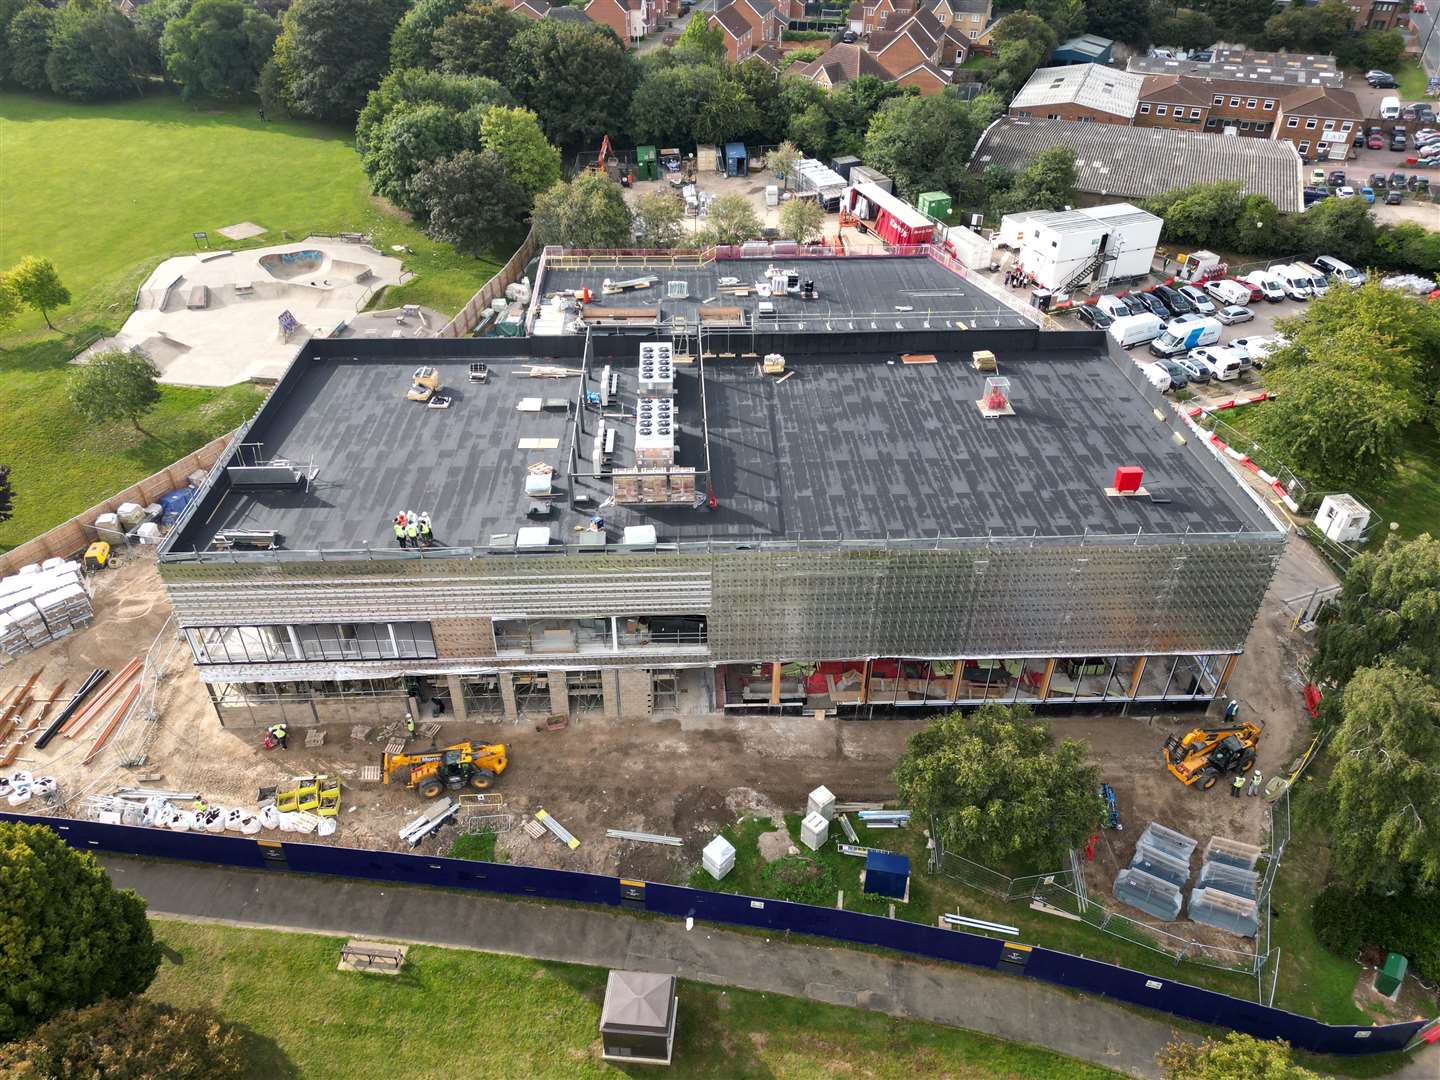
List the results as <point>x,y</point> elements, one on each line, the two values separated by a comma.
<point>464,764</point>
<point>1206,754</point>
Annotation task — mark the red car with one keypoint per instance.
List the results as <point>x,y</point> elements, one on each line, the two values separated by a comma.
<point>1256,293</point>
<point>1375,142</point>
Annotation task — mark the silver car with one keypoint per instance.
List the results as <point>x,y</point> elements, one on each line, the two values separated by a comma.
<point>1233,314</point>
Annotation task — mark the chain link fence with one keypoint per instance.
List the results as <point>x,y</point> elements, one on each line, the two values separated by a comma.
<point>1065,891</point>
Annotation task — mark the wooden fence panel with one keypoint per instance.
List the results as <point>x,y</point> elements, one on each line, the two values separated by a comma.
<point>508,274</point>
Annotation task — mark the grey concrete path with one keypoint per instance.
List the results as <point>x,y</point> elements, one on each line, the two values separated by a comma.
<point>1011,1008</point>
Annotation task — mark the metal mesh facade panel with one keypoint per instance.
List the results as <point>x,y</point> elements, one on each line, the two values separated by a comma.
<point>799,601</point>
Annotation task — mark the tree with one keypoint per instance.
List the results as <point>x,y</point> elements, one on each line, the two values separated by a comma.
<point>577,77</point>
<point>924,144</point>
<point>34,282</point>
<point>782,162</point>
<point>667,101</point>
<point>150,21</point>
<point>331,53</point>
<point>1306,28</point>
<point>7,495</point>
<point>1185,28</point>
<point>1408,246</point>
<point>412,44</point>
<point>726,111</point>
<point>67,936</point>
<point>1388,609</point>
<point>731,220</point>
<point>1202,214</point>
<point>115,385</point>
<point>659,221</point>
<point>1022,42</point>
<point>1047,183</point>
<point>27,41</point>
<point>130,1038</point>
<point>997,787</point>
<point>403,89</point>
<point>800,56</point>
<point>9,303</point>
<point>409,140</point>
<point>218,47</point>
<point>1235,1057</point>
<point>760,84</point>
<point>1260,228</point>
<point>1335,225</point>
<point>1384,825</point>
<point>802,220</point>
<point>478,40</point>
<point>587,212</point>
<point>471,200</point>
<point>701,39</point>
<point>515,135</point>
<point>94,54</point>
<point>1123,20</point>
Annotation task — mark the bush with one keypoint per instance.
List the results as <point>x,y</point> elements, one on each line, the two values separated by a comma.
<point>801,880</point>
<point>1345,922</point>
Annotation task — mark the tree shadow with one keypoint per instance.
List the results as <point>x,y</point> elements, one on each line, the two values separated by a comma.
<point>264,1058</point>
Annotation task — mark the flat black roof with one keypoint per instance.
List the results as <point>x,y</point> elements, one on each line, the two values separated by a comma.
<point>878,287</point>
<point>847,447</point>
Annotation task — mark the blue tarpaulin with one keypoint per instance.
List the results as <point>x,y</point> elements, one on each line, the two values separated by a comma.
<point>886,874</point>
<point>173,504</point>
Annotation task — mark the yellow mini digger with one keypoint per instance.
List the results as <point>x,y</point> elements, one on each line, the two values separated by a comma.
<point>1204,755</point>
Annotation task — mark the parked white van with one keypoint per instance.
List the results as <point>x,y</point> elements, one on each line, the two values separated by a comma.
<point>1185,333</point>
<point>1295,283</point>
<point>1268,284</point>
<point>1113,306</point>
<point>1157,376</point>
<point>1129,330</point>
<point>1318,285</point>
<point>1223,363</point>
<point>1390,108</point>
<point>1229,293</point>
<point>1334,268</point>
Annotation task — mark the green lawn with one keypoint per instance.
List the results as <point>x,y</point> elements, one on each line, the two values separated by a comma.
<point>1411,77</point>
<point>1411,497</point>
<point>106,191</point>
<point>454,1014</point>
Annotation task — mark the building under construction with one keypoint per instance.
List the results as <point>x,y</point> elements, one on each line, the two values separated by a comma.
<point>869,521</point>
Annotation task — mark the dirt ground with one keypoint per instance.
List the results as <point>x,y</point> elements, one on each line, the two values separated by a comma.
<point>679,777</point>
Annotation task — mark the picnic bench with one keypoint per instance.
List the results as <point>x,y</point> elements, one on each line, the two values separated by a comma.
<point>372,956</point>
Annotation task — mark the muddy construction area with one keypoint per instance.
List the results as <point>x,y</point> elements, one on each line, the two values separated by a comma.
<point>685,778</point>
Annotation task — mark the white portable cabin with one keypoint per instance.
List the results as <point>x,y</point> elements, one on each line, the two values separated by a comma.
<point>1073,250</point>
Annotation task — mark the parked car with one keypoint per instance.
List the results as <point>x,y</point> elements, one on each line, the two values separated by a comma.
<point>1179,377</point>
<point>1311,196</point>
<point>1131,330</point>
<point>1195,372</point>
<point>1135,305</point>
<point>1421,185</point>
<point>1295,282</point>
<point>1153,304</point>
<point>1337,179</point>
<point>1376,142</point>
<point>1093,316</point>
<point>1345,193</point>
<point>1113,306</point>
<point>1255,349</point>
<point>1173,300</point>
<point>1198,300</point>
<point>1368,194</point>
<point>1269,285</point>
<point>1398,141</point>
<point>1336,270</point>
<point>1393,197</point>
<point>1223,363</point>
<point>1255,291</point>
<point>1379,181</point>
<point>1381,79</point>
<point>1359,141</point>
<point>1407,112</point>
<point>849,37</point>
<point>1234,313</point>
<point>1317,177</point>
<point>1397,179</point>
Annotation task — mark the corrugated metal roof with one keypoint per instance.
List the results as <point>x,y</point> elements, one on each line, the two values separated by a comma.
<point>1091,86</point>
<point>1140,163</point>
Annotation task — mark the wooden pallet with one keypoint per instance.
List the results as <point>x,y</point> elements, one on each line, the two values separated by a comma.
<point>428,729</point>
<point>395,746</point>
<point>533,829</point>
<point>315,737</point>
<point>360,732</point>
<point>369,774</point>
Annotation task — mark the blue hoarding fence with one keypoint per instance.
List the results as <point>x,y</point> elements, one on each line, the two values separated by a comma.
<point>1060,969</point>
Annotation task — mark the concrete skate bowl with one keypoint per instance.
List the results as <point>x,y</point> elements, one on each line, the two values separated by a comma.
<point>312,267</point>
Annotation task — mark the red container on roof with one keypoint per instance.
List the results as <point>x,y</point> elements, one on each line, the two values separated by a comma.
<point>1128,477</point>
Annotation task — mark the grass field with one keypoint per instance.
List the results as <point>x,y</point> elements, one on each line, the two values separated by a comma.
<point>457,1014</point>
<point>1410,497</point>
<point>108,190</point>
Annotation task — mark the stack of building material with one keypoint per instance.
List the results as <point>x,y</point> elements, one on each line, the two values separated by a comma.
<point>1152,895</point>
<point>1221,849</point>
<point>1169,841</point>
<point>1224,911</point>
<point>1158,862</point>
<point>1231,879</point>
<point>814,831</point>
<point>42,604</point>
<point>718,858</point>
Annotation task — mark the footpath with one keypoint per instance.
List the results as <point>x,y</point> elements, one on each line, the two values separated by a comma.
<point>1008,1007</point>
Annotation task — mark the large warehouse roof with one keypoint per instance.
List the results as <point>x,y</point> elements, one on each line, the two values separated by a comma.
<point>1090,86</point>
<point>848,447</point>
<point>1140,163</point>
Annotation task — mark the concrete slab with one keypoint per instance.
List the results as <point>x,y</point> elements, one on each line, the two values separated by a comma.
<point>243,231</point>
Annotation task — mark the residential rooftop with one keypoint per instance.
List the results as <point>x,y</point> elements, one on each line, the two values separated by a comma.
<point>1089,86</point>
<point>1120,162</point>
<point>848,447</point>
<point>1249,66</point>
<point>852,292</point>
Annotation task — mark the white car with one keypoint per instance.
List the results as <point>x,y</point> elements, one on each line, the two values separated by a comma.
<point>1267,284</point>
<point>1234,313</point>
<point>1255,349</point>
<point>1345,193</point>
<point>1222,362</point>
<point>1156,376</point>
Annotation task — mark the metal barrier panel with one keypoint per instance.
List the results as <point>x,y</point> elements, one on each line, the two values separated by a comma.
<point>852,926</point>
<point>448,873</point>
<point>1210,1007</point>
<point>219,848</point>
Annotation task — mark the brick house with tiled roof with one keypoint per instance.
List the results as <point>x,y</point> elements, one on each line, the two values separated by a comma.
<point>841,63</point>
<point>762,16</point>
<point>739,34</point>
<point>1317,119</point>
